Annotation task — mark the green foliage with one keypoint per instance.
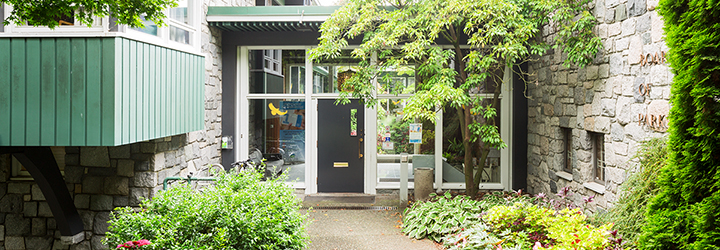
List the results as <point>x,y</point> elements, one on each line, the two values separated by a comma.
<point>240,212</point>
<point>524,225</point>
<point>487,37</point>
<point>505,220</point>
<point>628,213</point>
<point>440,216</point>
<point>46,12</point>
<point>686,212</point>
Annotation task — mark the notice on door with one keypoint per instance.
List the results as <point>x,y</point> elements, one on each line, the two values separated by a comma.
<point>415,132</point>
<point>386,143</point>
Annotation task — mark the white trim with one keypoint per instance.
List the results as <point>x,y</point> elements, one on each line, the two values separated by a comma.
<point>242,128</point>
<point>267,18</point>
<point>564,175</point>
<point>438,149</point>
<point>275,96</point>
<point>310,129</point>
<point>595,187</point>
<point>326,96</point>
<point>264,47</point>
<point>130,34</point>
<point>505,132</point>
<point>371,140</point>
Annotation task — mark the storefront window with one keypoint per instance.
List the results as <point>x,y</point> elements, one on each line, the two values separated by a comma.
<point>397,81</point>
<point>277,71</point>
<point>454,151</point>
<point>330,74</point>
<point>277,130</point>
<point>396,135</point>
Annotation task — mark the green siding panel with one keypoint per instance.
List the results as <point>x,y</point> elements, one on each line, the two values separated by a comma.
<point>5,86</point>
<point>17,92</point>
<point>108,90</point>
<point>32,94</point>
<point>62,98</point>
<point>77,92</point>
<point>47,100</point>
<point>94,96</point>
<point>96,91</point>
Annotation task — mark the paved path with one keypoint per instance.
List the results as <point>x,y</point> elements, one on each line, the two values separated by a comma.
<point>360,229</point>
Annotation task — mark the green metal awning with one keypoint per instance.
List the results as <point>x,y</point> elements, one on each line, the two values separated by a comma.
<point>269,18</point>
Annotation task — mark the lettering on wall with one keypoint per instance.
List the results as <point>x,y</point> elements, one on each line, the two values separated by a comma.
<point>655,122</point>
<point>653,59</point>
<point>644,89</point>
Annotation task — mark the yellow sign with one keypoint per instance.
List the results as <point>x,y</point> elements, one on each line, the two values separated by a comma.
<point>274,110</point>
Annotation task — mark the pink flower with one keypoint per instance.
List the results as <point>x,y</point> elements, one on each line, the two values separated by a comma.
<point>143,242</point>
<point>134,244</point>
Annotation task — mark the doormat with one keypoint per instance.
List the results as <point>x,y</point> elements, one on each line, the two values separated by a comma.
<point>341,199</point>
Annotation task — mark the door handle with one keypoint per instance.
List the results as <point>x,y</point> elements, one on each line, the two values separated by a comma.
<point>360,154</point>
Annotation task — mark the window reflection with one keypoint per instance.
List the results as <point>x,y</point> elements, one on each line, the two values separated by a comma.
<point>277,131</point>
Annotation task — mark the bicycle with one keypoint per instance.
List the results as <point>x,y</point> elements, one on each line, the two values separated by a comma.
<point>257,163</point>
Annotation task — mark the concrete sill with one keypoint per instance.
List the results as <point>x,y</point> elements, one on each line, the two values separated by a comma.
<point>595,187</point>
<point>565,175</point>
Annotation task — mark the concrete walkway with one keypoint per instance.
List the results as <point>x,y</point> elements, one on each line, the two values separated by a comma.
<point>360,229</point>
<point>358,225</point>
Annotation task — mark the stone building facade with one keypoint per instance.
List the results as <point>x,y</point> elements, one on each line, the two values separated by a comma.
<point>102,178</point>
<point>583,120</point>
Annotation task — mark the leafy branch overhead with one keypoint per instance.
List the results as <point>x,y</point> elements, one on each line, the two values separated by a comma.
<point>458,48</point>
<point>48,12</point>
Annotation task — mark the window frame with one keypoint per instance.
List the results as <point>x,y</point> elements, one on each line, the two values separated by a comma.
<point>598,158</point>
<point>567,153</point>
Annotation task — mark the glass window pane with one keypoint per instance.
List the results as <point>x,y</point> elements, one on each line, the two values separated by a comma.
<point>150,27</point>
<point>180,13</point>
<point>393,138</point>
<point>399,80</point>
<point>330,74</point>
<point>277,130</point>
<point>179,35</point>
<point>454,151</point>
<point>282,75</point>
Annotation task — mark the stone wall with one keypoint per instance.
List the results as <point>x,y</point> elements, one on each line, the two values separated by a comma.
<point>102,178</point>
<point>622,95</point>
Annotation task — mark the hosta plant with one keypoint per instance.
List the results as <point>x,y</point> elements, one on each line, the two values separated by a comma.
<point>439,216</point>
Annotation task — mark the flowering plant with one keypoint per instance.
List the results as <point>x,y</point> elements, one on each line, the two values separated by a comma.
<point>134,244</point>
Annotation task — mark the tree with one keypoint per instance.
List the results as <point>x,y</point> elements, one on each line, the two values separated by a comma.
<point>685,214</point>
<point>48,12</point>
<point>487,37</point>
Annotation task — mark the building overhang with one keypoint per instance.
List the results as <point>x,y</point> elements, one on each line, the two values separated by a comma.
<point>269,18</point>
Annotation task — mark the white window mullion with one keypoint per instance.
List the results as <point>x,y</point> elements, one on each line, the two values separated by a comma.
<point>505,130</point>
<point>241,111</point>
<point>311,172</point>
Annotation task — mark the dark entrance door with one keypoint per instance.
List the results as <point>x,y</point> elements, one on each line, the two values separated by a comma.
<point>340,150</point>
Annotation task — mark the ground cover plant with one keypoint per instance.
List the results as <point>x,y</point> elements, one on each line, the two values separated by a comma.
<point>240,212</point>
<point>507,220</point>
<point>628,212</point>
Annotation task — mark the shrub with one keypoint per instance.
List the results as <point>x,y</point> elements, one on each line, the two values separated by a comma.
<point>439,216</point>
<point>240,212</point>
<point>685,214</point>
<point>628,213</point>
